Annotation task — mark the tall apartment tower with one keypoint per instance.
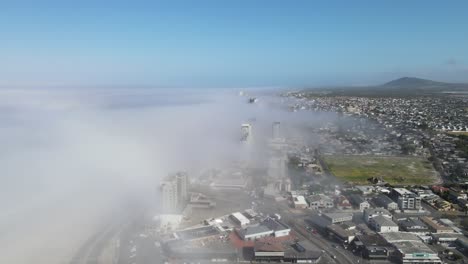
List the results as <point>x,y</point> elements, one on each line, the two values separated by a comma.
<point>246,132</point>
<point>182,184</point>
<point>276,130</point>
<point>174,192</point>
<point>169,197</point>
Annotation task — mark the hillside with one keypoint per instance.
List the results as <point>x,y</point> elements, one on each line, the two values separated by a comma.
<point>405,86</point>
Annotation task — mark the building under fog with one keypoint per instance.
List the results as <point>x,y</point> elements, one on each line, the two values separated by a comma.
<point>246,132</point>
<point>173,192</point>
<point>276,130</point>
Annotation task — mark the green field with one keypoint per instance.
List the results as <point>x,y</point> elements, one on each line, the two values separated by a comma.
<point>394,170</point>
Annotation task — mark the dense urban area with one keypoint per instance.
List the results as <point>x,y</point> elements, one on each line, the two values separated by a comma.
<point>384,182</point>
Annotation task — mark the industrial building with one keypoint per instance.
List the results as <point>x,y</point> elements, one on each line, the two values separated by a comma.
<point>373,247</point>
<point>383,224</point>
<point>338,217</point>
<point>415,252</point>
<point>239,219</point>
<point>413,225</point>
<point>266,228</point>
<point>371,213</point>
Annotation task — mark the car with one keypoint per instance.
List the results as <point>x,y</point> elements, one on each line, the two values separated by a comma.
<point>334,257</point>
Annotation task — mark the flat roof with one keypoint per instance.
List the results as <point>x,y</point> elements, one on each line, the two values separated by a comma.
<point>376,210</point>
<point>413,247</point>
<point>392,237</point>
<point>240,217</point>
<point>372,240</point>
<point>402,191</point>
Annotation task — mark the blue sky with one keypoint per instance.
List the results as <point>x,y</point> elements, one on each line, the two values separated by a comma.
<point>230,43</point>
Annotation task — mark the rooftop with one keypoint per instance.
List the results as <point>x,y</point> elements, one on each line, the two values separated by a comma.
<point>372,240</point>
<point>372,211</point>
<point>392,237</point>
<point>402,191</point>
<point>383,221</point>
<point>413,247</point>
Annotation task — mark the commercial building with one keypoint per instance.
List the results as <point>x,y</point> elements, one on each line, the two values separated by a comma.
<point>338,217</point>
<point>279,228</point>
<point>406,199</point>
<point>239,219</point>
<point>345,236</point>
<point>371,213</point>
<point>415,252</point>
<point>266,228</point>
<point>435,226</point>
<point>254,232</point>
<point>393,237</point>
<point>373,247</point>
<point>300,202</point>
<point>413,225</point>
<point>383,224</point>
<point>276,252</point>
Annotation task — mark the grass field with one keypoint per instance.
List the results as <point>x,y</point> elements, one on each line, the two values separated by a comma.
<point>394,170</point>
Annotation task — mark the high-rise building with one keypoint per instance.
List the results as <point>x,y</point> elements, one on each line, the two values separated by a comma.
<point>182,182</point>
<point>246,132</point>
<point>169,201</point>
<point>174,193</point>
<point>276,130</point>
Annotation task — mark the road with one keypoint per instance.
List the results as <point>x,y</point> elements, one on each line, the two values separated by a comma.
<point>89,253</point>
<point>296,221</point>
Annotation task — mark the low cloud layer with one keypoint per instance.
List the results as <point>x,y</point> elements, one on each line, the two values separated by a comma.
<point>72,160</point>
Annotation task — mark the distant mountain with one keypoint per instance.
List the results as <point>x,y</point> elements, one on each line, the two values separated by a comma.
<point>405,86</point>
<point>414,82</point>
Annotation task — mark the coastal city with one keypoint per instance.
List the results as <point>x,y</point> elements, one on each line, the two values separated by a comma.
<point>385,183</point>
<point>219,132</point>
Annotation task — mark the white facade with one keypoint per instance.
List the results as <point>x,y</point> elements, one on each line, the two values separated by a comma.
<point>300,202</point>
<point>383,224</point>
<point>169,198</point>
<point>173,192</point>
<point>371,213</point>
<point>240,219</point>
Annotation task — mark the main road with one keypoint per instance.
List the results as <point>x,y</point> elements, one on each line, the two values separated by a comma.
<point>296,220</point>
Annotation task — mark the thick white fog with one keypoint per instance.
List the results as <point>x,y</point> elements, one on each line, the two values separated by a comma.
<point>71,159</point>
<point>74,160</point>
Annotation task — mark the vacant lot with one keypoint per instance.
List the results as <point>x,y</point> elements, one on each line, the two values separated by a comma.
<point>394,170</point>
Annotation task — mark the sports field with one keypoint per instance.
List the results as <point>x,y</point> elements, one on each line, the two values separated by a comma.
<point>394,170</point>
